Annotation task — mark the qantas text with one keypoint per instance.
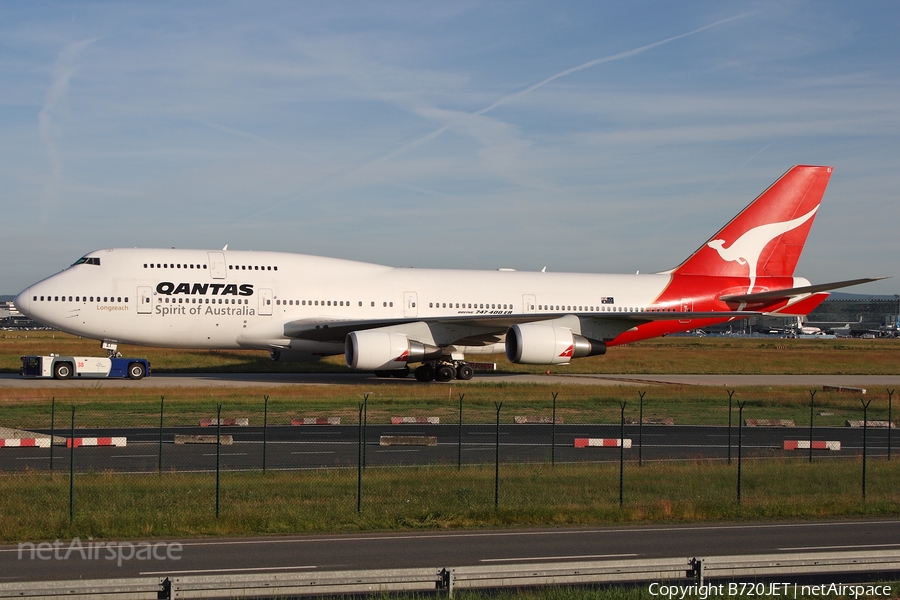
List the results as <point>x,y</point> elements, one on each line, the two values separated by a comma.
<point>214,289</point>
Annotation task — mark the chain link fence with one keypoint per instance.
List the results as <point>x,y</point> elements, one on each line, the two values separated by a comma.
<point>501,439</point>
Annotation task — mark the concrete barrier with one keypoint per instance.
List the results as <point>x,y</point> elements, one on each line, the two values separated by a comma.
<point>408,420</point>
<point>224,440</point>
<point>769,422</point>
<point>536,420</point>
<point>316,421</point>
<point>239,422</point>
<point>876,424</point>
<point>408,440</point>
<point>816,445</point>
<point>842,388</point>
<point>96,441</point>
<point>602,443</point>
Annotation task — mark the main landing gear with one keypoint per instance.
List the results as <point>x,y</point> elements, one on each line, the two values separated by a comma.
<point>444,371</point>
<point>434,370</point>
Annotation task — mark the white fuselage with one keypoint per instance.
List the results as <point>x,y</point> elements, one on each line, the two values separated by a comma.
<point>242,299</point>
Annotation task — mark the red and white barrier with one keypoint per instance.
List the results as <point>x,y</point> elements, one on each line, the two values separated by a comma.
<point>602,442</point>
<point>406,420</point>
<point>241,422</point>
<point>96,441</point>
<point>816,445</point>
<point>25,442</point>
<point>316,421</point>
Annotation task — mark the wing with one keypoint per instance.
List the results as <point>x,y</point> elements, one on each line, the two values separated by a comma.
<point>488,329</point>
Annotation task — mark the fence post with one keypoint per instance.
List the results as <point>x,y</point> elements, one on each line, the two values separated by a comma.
<point>497,458</point>
<point>553,432</point>
<point>730,395</point>
<point>162,401</point>
<point>265,424</point>
<point>890,421</point>
<point>359,458</point>
<point>365,421</point>
<point>740,445</point>
<point>72,469</point>
<point>52,427</point>
<point>459,435</point>
<point>865,435</point>
<point>641,431</point>
<point>622,455</point>
<point>812,400</point>
<point>218,449</point>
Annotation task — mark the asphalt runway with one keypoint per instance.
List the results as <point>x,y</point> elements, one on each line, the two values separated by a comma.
<point>451,549</point>
<point>337,446</point>
<point>175,380</point>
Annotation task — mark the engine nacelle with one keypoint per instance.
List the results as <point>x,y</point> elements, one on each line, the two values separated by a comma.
<point>385,351</point>
<point>540,344</point>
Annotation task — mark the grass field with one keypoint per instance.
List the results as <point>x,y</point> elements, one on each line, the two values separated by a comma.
<point>36,505</point>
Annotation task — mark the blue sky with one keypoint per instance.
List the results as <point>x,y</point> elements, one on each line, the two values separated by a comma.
<point>598,137</point>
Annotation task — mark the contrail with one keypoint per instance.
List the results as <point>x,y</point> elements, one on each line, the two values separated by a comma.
<point>62,72</point>
<point>598,61</point>
<point>512,96</point>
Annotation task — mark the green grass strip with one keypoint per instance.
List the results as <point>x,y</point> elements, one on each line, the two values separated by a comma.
<point>115,506</point>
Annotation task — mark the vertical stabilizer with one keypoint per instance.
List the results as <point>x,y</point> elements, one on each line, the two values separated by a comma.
<point>766,238</point>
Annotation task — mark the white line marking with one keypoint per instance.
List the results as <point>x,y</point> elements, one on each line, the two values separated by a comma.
<point>229,454</point>
<point>840,547</point>
<point>229,570</point>
<point>312,452</point>
<point>555,557</point>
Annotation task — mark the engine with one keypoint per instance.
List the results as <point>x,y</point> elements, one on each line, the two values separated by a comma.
<point>385,351</point>
<point>539,344</point>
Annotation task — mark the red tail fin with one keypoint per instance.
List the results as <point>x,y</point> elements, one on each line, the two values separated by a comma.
<point>766,238</point>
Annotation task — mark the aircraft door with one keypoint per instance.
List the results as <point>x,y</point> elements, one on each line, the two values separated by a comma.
<point>410,299</point>
<point>265,302</point>
<point>216,265</point>
<point>145,300</point>
<point>528,303</point>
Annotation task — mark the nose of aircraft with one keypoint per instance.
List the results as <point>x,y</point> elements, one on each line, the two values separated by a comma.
<point>23,302</point>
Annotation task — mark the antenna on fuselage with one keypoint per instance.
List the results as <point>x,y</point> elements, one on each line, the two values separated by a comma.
<point>225,248</point>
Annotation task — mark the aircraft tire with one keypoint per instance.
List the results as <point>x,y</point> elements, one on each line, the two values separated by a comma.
<point>136,371</point>
<point>62,370</point>
<point>400,373</point>
<point>425,373</point>
<point>445,373</point>
<point>383,373</point>
<point>464,372</point>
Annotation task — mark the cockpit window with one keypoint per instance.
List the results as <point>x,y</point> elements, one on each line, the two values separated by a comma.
<point>85,260</point>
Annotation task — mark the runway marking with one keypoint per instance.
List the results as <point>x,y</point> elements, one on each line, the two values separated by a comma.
<point>394,451</point>
<point>229,570</point>
<point>556,557</point>
<point>840,547</point>
<point>228,454</point>
<point>134,456</point>
<point>313,453</point>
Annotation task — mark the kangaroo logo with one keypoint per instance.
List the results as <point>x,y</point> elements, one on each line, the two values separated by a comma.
<point>746,249</point>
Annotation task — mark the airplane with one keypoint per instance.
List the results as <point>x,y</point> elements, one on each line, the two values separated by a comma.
<point>383,319</point>
<point>807,329</point>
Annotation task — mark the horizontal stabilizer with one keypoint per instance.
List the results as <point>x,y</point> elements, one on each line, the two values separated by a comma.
<point>793,292</point>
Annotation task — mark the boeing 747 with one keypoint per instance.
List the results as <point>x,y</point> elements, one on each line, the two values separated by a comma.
<point>384,319</point>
